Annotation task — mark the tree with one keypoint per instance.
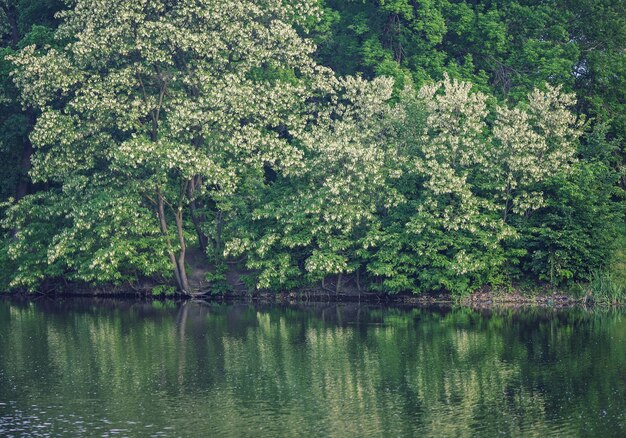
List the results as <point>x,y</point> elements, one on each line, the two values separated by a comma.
<point>165,102</point>
<point>311,223</point>
<point>463,178</point>
<point>151,125</point>
<point>531,143</point>
<point>21,23</point>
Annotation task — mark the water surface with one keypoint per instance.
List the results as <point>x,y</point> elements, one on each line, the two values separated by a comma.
<point>105,368</point>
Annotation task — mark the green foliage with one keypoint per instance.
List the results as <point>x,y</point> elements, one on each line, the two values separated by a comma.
<point>163,290</point>
<point>218,279</point>
<point>91,234</point>
<point>310,223</point>
<point>22,22</point>
<point>145,100</point>
<point>453,158</point>
<point>605,287</point>
<point>575,234</point>
<point>464,180</point>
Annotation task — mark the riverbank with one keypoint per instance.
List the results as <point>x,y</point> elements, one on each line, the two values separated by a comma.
<point>511,298</point>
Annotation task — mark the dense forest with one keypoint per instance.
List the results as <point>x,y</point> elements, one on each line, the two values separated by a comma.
<point>389,145</point>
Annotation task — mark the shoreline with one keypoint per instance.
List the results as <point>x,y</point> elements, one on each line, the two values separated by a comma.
<point>477,300</point>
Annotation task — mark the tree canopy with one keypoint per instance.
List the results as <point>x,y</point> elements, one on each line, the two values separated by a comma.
<point>392,145</point>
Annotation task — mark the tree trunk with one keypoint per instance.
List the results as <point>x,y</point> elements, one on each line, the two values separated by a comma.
<point>507,205</point>
<point>218,235</point>
<point>170,249</point>
<point>202,240</point>
<point>183,249</point>
<point>23,184</point>
<point>197,220</point>
<point>338,286</point>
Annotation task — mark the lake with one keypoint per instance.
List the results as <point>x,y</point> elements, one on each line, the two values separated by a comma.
<point>87,367</point>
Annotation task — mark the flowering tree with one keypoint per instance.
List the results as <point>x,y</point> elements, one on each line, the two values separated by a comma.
<point>159,104</point>
<point>531,143</point>
<point>310,223</point>
<point>158,120</point>
<point>464,177</point>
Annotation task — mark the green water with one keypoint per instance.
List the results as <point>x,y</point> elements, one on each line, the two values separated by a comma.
<point>105,368</point>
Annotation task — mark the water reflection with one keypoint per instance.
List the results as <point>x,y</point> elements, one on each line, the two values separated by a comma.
<point>87,367</point>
